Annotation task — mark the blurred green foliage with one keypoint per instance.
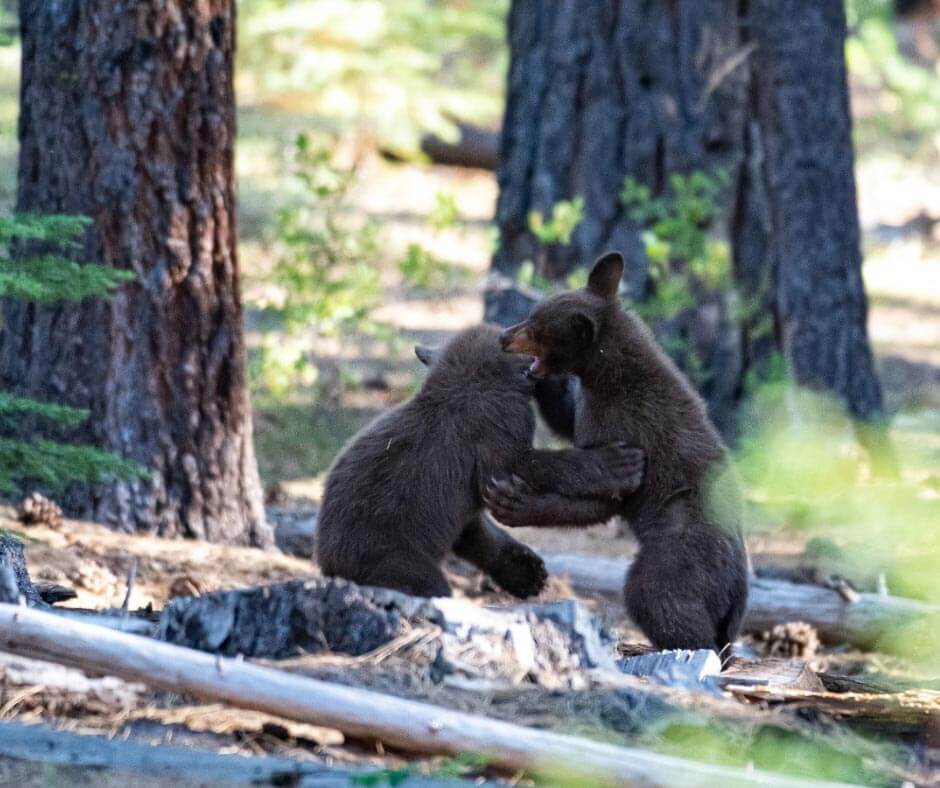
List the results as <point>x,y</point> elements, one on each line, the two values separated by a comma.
<point>905,94</point>
<point>683,258</point>
<point>846,759</point>
<point>391,70</point>
<point>803,467</point>
<point>325,271</point>
<point>448,769</point>
<point>423,271</point>
<point>559,227</point>
<point>555,230</point>
<point>528,276</point>
<point>445,214</point>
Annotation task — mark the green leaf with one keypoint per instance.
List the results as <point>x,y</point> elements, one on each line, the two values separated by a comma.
<point>71,417</point>
<point>55,464</point>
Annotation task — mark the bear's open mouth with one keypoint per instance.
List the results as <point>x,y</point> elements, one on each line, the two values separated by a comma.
<point>536,369</point>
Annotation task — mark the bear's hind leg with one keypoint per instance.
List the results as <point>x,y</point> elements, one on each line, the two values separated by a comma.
<point>513,566</point>
<point>404,571</point>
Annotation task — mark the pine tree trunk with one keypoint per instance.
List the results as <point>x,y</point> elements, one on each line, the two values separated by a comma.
<point>602,90</point>
<point>803,245</point>
<point>128,116</point>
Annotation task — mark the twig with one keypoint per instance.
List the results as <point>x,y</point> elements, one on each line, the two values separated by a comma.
<point>131,577</point>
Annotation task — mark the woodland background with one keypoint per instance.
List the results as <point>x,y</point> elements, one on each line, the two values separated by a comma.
<point>771,171</point>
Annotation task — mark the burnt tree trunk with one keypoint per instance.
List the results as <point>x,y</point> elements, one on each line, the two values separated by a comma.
<point>599,91</point>
<point>798,238</point>
<point>128,116</point>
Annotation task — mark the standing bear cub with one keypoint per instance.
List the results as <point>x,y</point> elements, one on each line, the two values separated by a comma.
<point>687,587</point>
<point>408,489</point>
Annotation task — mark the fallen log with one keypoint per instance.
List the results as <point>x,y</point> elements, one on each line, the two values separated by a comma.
<point>771,673</point>
<point>914,711</point>
<point>862,622</point>
<point>40,744</point>
<point>411,726</point>
<point>475,148</point>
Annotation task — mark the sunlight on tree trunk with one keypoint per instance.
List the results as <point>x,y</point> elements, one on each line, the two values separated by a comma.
<point>128,116</point>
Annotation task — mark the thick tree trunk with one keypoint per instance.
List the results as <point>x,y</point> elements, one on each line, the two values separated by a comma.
<point>128,115</point>
<point>599,91</point>
<point>801,240</point>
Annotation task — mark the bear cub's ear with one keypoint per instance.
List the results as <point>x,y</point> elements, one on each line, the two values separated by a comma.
<point>426,355</point>
<point>606,274</point>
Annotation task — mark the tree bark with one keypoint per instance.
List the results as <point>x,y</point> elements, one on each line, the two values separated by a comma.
<point>128,116</point>
<point>797,236</point>
<point>598,91</point>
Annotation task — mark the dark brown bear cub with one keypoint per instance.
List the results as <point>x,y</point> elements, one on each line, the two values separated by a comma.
<point>687,587</point>
<point>408,488</point>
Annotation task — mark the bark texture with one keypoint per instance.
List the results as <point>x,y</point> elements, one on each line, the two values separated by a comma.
<point>128,116</point>
<point>14,575</point>
<point>798,233</point>
<point>598,91</point>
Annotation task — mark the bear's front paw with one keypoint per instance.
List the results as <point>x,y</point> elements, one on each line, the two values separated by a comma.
<point>520,571</point>
<point>512,502</point>
<point>627,467</point>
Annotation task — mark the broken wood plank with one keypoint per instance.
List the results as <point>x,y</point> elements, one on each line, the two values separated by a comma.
<point>770,672</point>
<point>678,668</point>
<point>409,725</point>
<point>861,623</point>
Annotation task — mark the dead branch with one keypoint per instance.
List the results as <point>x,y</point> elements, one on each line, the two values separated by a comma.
<point>899,712</point>
<point>476,148</point>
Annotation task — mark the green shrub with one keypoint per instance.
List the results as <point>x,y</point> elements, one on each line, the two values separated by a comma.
<point>50,277</point>
<point>326,269</point>
<point>682,256</point>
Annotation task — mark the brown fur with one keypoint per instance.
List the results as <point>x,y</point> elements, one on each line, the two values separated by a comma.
<point>408,488</point>
<point>688,585</point>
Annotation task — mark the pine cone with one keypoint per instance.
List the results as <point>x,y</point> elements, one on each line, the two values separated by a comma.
<point>795,639</point>
<point>185,585</point>
<point>36,509</point>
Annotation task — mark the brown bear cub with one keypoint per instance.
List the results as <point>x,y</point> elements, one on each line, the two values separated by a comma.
<point>408,489</point>
<point>688,586</point>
